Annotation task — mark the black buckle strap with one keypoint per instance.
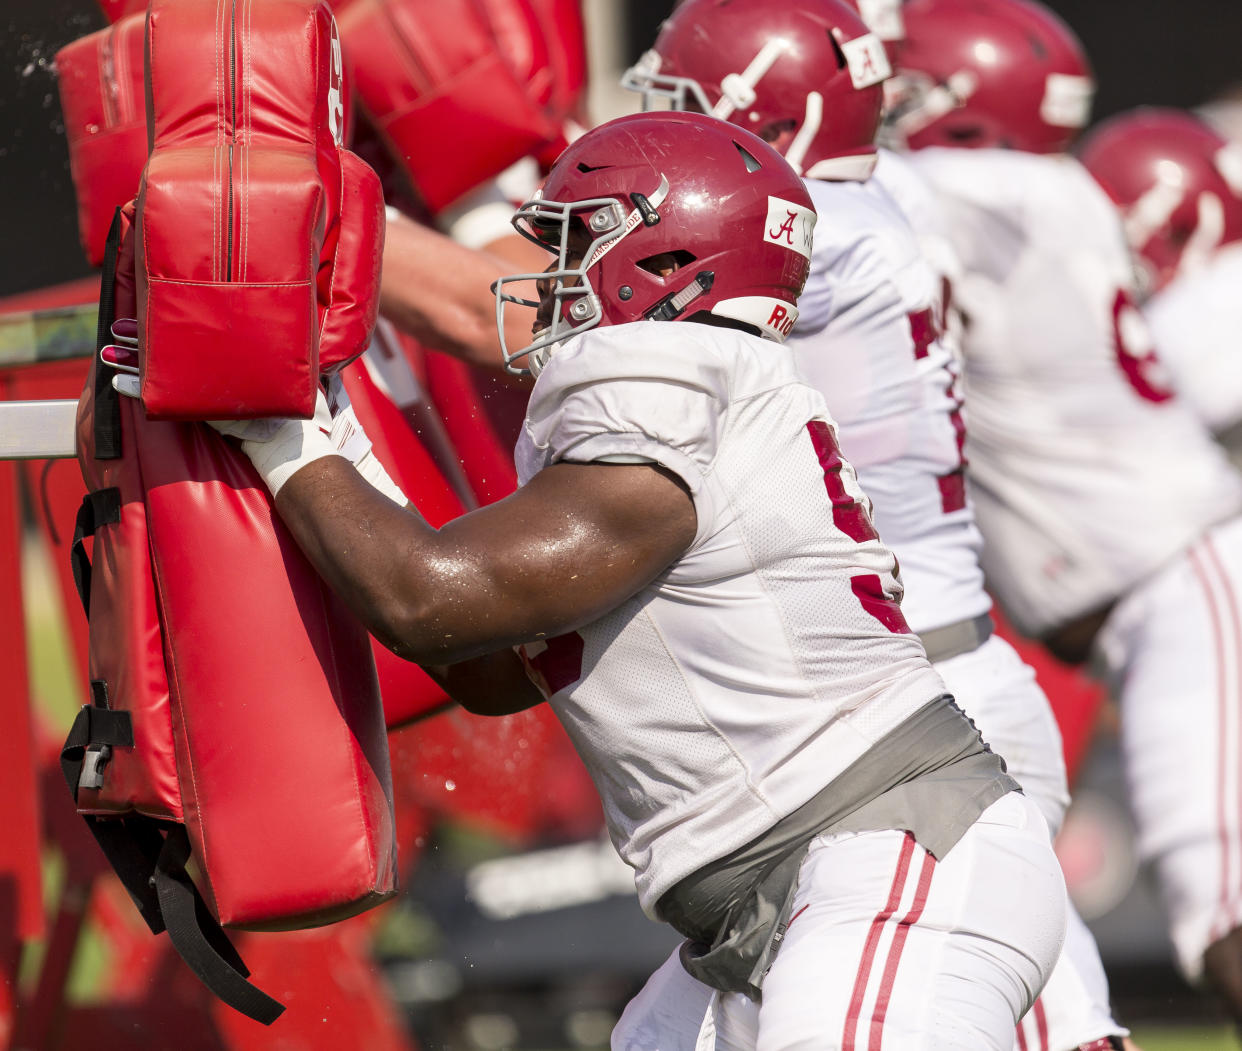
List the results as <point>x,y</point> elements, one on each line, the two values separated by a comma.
<point>149,858</point>
<point>199,939</point>
<point>93,730</point>
<point>102,507</point>
<point>126,843</point>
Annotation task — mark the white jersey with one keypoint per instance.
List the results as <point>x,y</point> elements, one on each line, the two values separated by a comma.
<point>867,338</point>
<point>918,204</point>
<point>771,655</point>
<point>1197,325</point>
<point>1086,473</point>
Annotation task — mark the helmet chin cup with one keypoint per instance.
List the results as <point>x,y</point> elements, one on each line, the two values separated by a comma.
<point>536,358</point>
<point>575,309</point>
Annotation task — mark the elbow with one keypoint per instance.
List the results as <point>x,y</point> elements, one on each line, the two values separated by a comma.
<point>412,630</point>
<point>427,632</point>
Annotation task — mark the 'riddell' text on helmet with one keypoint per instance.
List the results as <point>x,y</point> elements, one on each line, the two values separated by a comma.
<point>1177,183</point>
<point>804,75</point>
<point>666,217</point>
<point>988,73</point>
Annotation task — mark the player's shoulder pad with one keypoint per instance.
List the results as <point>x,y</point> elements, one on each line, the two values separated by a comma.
<point>659,389</point>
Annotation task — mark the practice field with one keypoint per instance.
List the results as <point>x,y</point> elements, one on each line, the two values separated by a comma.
<point>1186,1039</point>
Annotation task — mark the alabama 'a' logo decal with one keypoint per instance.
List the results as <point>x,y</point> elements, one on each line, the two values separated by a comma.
<point>790,226</point>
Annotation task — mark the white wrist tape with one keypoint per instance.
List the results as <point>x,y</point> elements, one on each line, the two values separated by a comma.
<point>281,449</point>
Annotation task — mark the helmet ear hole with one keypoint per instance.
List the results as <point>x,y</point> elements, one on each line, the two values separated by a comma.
<point>665,263</point>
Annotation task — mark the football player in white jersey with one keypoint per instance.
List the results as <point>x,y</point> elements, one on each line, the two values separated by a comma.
<point>808,77</point>
<point>1178,185</point>
<point>690,576</point>
<point>1109,513</point>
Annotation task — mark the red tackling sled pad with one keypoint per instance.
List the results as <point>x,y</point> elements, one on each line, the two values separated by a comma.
<point>259,234</point>
<point>235,714</point>
<point>101,94</point>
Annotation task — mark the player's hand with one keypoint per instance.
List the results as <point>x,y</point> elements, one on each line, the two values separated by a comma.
<point>122,356</point>
<point>278,448</point>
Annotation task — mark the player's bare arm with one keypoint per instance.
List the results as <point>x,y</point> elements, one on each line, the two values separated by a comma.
<point>572,544</point>
<point>440,292</point>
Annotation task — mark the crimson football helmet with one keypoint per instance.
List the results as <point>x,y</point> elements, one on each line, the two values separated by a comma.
<point>665,217</point>
<point>1177,183</point>
<point>979,73</point>
<point>805,73</point>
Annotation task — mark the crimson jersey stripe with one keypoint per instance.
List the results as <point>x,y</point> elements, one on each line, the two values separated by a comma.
<point>952,490</point>
<point>848,515</point>
<point>924,330</point>
<point>869,590</point>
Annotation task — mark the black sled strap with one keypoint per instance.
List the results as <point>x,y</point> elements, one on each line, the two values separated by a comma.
<point>130,843</point>
<point>199,939</point>
<point>102,507</point>
<point>150,863</point>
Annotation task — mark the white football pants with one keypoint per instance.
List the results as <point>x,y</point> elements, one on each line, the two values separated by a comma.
<point>889,945</point>
<point>1173,648</point>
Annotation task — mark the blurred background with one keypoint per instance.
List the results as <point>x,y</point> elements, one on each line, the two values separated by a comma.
<point>508,934</point>
<point>1145,52</point>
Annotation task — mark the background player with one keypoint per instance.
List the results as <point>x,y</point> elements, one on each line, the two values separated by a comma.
<point>1178,186</point>
<point>1110,516</point>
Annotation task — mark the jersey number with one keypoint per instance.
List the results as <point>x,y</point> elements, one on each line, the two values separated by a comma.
<point>850,516</point>
<point>1135,351</point>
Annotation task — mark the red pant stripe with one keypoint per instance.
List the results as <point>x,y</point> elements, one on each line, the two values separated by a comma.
<point>895,950</point>
<point>873,937</point>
